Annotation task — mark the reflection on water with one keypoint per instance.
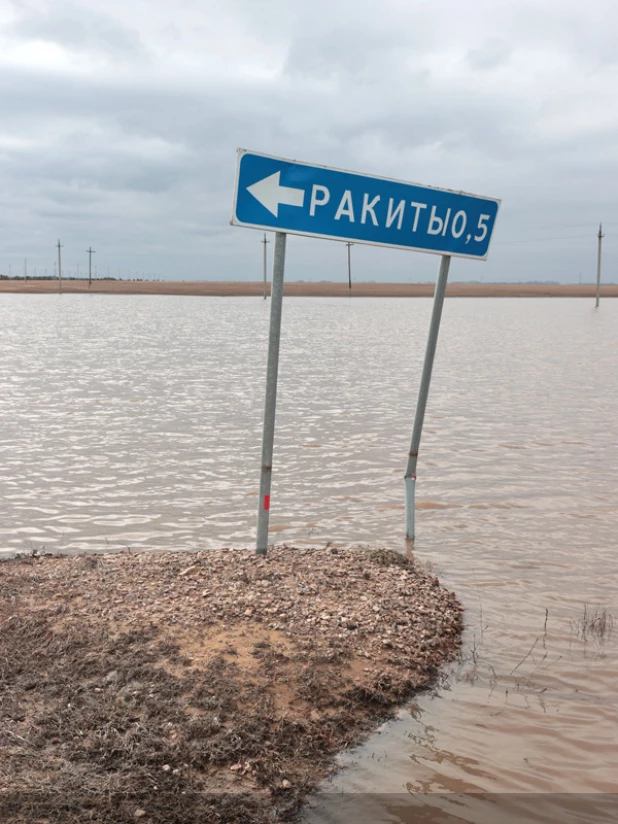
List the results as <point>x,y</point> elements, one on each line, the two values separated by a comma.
<point>136,421</point>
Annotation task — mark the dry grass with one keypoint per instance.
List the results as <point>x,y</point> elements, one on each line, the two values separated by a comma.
<point>597,624</point>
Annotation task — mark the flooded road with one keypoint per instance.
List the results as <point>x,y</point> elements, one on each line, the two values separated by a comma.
<point>136,422</point>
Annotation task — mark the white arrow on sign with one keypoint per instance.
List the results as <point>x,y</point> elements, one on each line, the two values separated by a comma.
<point>271,195</point>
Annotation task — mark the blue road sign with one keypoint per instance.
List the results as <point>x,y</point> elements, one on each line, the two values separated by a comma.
<point>289,196</point>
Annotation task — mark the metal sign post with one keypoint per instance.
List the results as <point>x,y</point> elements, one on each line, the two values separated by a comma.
<point>276,302</point>
<point>423,392</point>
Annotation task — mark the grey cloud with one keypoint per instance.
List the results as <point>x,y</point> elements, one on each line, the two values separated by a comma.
<point>147,159</point>
<point>76,28</point>
<point>490,54</point>
<point>351,53</point>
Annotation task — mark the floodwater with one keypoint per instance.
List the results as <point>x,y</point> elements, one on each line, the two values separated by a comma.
<point>136,422</point>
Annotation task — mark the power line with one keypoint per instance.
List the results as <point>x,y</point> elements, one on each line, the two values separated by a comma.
<point>542,240</point>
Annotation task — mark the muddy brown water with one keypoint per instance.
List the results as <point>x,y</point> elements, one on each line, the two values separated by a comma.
<point>134,421</point>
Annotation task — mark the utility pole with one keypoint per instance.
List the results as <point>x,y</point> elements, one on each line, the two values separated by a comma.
<point>600,237</point>
<point>91,252</point>
<point>349,245</point>
<point>59,268</point>
<point>25,269</point>
<point>265,267</point>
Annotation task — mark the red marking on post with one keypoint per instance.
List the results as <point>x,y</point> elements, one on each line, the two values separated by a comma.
<point>267,502</point>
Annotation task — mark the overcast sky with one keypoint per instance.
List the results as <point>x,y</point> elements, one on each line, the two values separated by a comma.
<point>120,123</point>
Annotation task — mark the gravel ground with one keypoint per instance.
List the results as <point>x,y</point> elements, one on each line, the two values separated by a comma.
<point>211,686</point>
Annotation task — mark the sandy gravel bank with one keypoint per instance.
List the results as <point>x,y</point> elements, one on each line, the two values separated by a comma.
<point>231,288</point>
<point>211,686</point>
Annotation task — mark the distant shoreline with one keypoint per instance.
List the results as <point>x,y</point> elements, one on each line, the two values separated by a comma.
<point>306,289</point>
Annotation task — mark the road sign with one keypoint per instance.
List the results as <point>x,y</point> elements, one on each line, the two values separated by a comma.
<point>289,196</point>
